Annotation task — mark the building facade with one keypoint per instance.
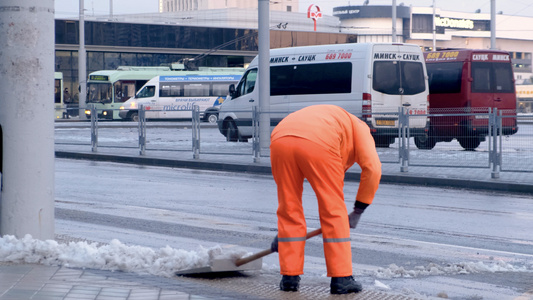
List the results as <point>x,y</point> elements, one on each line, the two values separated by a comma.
<point>188,5</point>
<point>452,30</point>
<point>214,38</point>
<point>227,37</point>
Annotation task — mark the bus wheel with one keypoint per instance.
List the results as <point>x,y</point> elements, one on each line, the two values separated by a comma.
<point>469,143</point>
<point>212,118</point>
<point>425,142</point>
<point>232,133</point>
<point>134,117</point>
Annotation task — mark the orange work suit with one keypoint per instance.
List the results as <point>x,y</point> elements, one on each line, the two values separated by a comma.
<point>320,143</point>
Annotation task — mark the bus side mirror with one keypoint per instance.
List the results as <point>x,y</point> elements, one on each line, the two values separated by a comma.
<point>232,90</point>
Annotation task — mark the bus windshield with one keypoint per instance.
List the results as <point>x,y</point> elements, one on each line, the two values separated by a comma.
<point>99,93</point>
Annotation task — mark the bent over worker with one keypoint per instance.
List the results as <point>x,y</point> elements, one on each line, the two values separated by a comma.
<point>320,143</point>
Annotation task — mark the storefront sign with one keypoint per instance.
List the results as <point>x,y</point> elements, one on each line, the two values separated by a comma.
<point>313,12</point>
<point>454,23</point>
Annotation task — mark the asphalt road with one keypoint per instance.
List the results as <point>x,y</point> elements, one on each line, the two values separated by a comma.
<point>420,241</point>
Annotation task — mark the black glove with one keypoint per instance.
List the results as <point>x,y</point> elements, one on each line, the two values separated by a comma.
<point>274,245</point>
<point>354,216</point>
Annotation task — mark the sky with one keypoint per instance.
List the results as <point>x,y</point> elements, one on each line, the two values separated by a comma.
<point>70,8</point>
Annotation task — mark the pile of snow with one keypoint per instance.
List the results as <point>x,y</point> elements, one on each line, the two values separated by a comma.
<point>394,271</point>
<point>114,257</point>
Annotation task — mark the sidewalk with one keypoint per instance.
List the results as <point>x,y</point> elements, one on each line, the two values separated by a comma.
<point>29,281</point>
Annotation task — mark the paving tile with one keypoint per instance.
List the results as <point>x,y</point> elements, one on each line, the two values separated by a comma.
<point>49,294</point>
<point>85,291</point>
<point>111,298</point>
<point>115,292</point>
<point>78,298</point>
<point>18,294</point>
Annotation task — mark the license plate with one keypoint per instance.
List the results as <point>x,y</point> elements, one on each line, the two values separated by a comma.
<point>385,122</point>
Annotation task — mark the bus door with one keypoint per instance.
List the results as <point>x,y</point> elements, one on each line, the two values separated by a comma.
<point>147,97</point>
<point>398,79</point>
<point>124,89</point>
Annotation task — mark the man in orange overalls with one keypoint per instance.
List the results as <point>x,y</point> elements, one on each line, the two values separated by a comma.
<point>320,143</point>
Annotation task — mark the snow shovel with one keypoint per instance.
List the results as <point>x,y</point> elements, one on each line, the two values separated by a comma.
<point>249,263</point>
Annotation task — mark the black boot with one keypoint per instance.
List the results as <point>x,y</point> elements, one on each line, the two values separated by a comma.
<point>345,285</point>
<point>289,283</point>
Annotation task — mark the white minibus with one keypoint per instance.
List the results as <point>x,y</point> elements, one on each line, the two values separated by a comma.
<point>369,80</point>
<point>173,97</point>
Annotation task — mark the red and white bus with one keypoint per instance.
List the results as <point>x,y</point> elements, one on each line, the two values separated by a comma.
<point>467,83</point>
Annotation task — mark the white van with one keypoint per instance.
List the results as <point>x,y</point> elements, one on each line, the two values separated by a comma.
<point>365,79</point>
<point>173,97</point>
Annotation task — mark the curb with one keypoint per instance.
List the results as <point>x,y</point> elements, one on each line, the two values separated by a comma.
<point>259,169</point>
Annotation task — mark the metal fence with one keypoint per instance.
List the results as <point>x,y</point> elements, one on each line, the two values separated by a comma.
<point>484,139</point>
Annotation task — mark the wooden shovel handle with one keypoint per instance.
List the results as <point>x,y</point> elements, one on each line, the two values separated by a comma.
<point>241,261</point>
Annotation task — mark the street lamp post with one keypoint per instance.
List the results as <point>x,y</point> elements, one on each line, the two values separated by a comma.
<point>394,21</point>
<point>434,29</point>
<point>492,24</point>
<point>264,75</point>
<point>82,67</point>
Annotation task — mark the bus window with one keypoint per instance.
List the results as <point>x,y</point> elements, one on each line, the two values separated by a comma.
<point>220,89</point>
<point>195,90</point>
<point>327,78</point>
<point>146,92</point>
<point>386,78</point>
<point>503,76</point>
<point>247,84</point>
<point>412,78</point>
<point>98,92</point>
<point>445,78</point>
<point>492,77</point>
<point>481,76</point>
<point>250,82</point>
<point>398,78</point>
<point>170,90</point>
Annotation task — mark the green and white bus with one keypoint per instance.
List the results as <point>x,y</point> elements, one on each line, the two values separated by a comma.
<point>107,90</point>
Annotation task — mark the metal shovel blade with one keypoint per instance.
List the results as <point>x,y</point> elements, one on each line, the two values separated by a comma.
<point>252,262</point>
<point>224,265</point>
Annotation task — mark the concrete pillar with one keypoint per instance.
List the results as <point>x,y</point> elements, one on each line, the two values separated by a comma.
<point>27,117</point>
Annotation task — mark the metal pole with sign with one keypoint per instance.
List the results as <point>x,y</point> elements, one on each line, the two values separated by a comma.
<point>264,76</point>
